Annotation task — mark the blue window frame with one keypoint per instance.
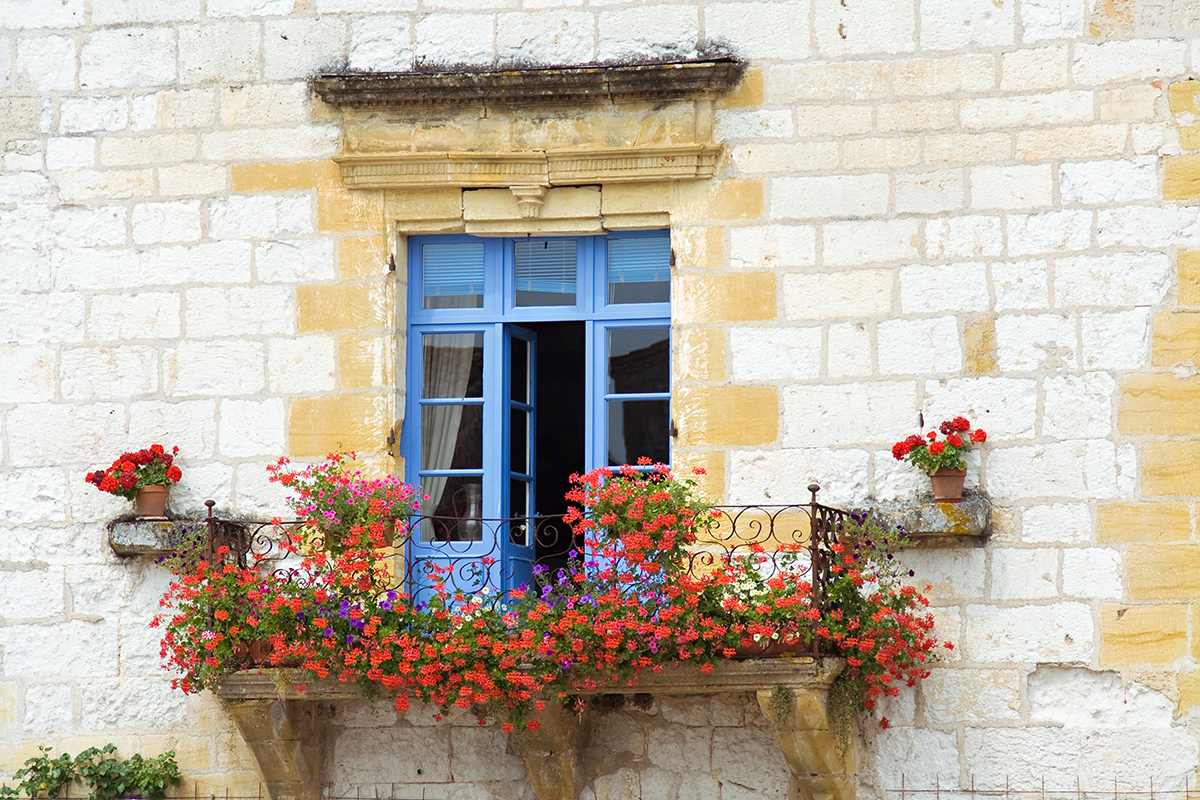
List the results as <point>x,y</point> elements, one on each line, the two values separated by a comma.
<point>477,310</point>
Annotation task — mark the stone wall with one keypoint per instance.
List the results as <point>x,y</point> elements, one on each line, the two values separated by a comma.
<point>923,208</point>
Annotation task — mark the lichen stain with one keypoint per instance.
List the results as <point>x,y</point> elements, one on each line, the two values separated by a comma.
<point>960,521</point>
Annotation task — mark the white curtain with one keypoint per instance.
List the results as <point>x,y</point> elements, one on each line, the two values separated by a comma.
<point>446,373</point>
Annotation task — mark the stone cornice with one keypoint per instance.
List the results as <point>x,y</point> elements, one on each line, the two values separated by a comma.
<point>654,83</point>
<point>537,168</point>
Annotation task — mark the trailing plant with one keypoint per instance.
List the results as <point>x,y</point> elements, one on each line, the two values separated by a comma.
<point>929,453</point>
<point>42,773</point>
<point>135,470</point>
<point>110,777</point>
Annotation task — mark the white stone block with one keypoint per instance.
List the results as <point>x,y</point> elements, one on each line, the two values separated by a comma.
<point>952,575</point>
<point>648,32</point>
<point>58,434</point>
<point>1068,106</point>
<point>300,48</point>
<point>841,415</point>
<point>47,62</point>
<point>381,43</point>
<point>963,237</point>
<point>124,57</point>
<point>226,51</point>
<point>833,196</point>
<point>669,748</point>
<point>190,425</point>
<point>257,495</point>
<point>1053,19</point>
<point>1066,523</point>
<point>897,480</point>
<point>1148,226</point>
<point>918,756</point>
<point>86,226</point>
<point>260,216</point>
<point>760,124</point>
<point>48,709</point>
<point>446,39</point>
<point>1040,68</point>
<point>952,24</point>
<point>851,244</point>
<point>72,649</point>
<point>252,428</point>
<point>209,482</point>
<point>265,105</point>
<point>873,26</point>
<point>240,311</point>
<point>929,192</point>
<point>1115,341</point>
<point>1118,181</point>
<point>113,12</point>
<point>32,496</point>
<point>849,350</point>
<point>147,315</point>
<point>175,221</point>
<point>1029,234</point>
<point>480,754</point>
<point>1077,469</point>
<point>65,544</point>
<point>295,261</point>
<point>51,317</point>
<point>214,368</point>
<point>1024,574</point>
<point>29,594</point>
<point>1124,279</point>
<point>24,187</point>
<point>772,247</point>
<point>775,354</point>
<point>68,152</point>
<point>27,373</point>
<point>43,13</point>
<point>919,346</point>
<point>370,751</point>
<point>1079,406</point>
<point>373,6</point>
<point>89,114</point>
<point>219,262</point>
<point>947,287</point>
<point>858,293</point>
<point>116,703</point>
<point>23,156</point>
<point>1120,61</point>
<point>739,759</point>
<point>1004,407</point>
<point>972,696</point>
<point>1077,697</point>
<point>304,365</point>
<point>779,476</point>
<point>139,646</point>
<point>1017,758</point>
<point>272,144</point>
<point>1011,188</point>
<point>24,271</point>
<point>1020,285</point>
<point>143,112</point>
<point>741,25</point>
<point>1039,342</point>
<point>1059,632</point>
<point>111,591</point>
<point>1092,572</point>
<point>250,8</point>
<point>551,37</point>
<point>108,373</point>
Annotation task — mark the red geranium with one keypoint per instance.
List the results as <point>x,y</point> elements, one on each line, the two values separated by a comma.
<point>931,454</point>
<point>134,470</point>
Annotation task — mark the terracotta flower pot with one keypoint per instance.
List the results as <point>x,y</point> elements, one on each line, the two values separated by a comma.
<point>948,485</point>
<point>151,501</point>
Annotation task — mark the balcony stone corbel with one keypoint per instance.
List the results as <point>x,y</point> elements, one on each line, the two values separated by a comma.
<point>821,768</point>
<point>550,753</point>
<point>286,737</point>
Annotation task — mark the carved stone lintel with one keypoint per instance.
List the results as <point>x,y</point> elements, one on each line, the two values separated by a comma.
<point>286,738</point>
<point>530,200</point>
<point>820,769</point>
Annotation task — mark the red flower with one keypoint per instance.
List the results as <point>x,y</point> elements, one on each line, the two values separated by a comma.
<point>156,448</point>
<point>128,480</point>
<point>937,448</point>
<point>978,435</point>
<point>962,424</point>
<point>108,484</point>
<point>128,466</point>
<point>174,474</point>
<point>954,440</point>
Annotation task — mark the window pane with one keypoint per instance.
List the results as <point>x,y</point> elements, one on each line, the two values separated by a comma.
<point>639,360</point>
<point>638,428</point>
<point>452,275</point>
<point>518,506</point>
<point>518,387</point>
<point>453,365</point>
<point>455,509</point>
<point>519,441</point>
<point>545,273</point>
<point>639,270</point>
<point>452,437</point>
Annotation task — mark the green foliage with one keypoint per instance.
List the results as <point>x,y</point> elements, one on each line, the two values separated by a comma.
<point>109,777</point>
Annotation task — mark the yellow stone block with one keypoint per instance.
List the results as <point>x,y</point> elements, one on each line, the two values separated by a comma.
<point>726,415</point>
<point>1142,634</point>
<point>343,211</point>
<point>1164,572</point>
<point>1182,97</point>
<point>727,199</point>
<point>636,198</point>
<point>364,257</point>
<point>365,362</point>
<point>1181,177</point>
<point>1083,140</point>
<point>699,246</point>
<point>296,176</point>
<point>729,297</point>
<point>1189,137</point>
<point>699,354</point>
<point>748,92</point>
<point>886,152</point>
<point>1129,104</point>
<point>320,425</point>
<point>194,753</point>
<point>712,481</point>
<point>1189,689</point>
<point>959,148</point>
<point>1143,522</point>
<point>8,704</point>
<point>342,307</point>
<point>1189,277</point>
<point>423,204</point>
<point>1159,403</point>
<point>1176,339</point>
<point>979,345</point>
<point>1170,468</point>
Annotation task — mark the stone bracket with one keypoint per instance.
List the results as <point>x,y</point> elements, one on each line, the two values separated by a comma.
<point>940,524</point>
<point>285,726</point>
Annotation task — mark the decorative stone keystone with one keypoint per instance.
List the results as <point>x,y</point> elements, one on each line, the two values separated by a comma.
<point>530,199</point>
<point>285,727</point>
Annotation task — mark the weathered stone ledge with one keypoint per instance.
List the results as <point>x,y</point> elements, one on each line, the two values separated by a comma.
<point>940,524</point>
<point>143,536</point>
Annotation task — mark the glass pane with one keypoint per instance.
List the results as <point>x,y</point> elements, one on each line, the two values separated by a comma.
<point>452,437</point>
<point>519,441</point>
<point>639,270</point>
<point>638,428</point>
<point>639,360</point>
<point>455,509</point>
<point>452,275</point>
<point>545,273</point>
<point>519,376</point>
<point>518,506</point>
<point>453,365</point>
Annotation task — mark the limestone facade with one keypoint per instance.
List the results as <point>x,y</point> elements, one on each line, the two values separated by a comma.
<point>918,209</point>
